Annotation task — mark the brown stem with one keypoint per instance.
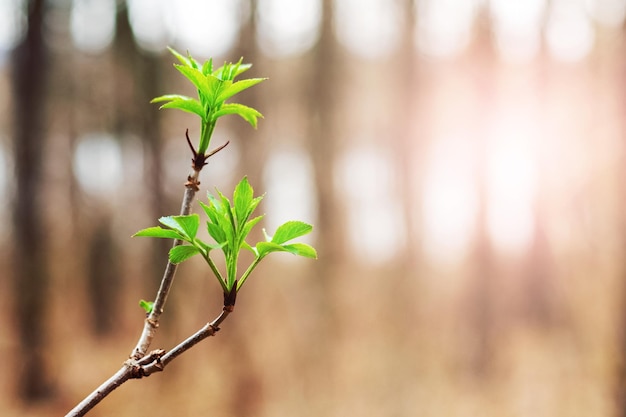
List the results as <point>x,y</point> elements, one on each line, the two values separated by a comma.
<point>152,321</point>
<point>142,363</point>
<point>207,330</point>
<point>101,392</point>
<point>154,361</point>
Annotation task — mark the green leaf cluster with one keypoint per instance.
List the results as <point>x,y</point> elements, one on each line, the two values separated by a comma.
<point>229,224</point>
<point>214,86</point>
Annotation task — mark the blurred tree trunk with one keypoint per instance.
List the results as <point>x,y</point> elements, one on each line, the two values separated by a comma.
<point>323,90</point>
<point>539,297</point>
<point>409,149</point>
<point>30,271</point>
<point>408,152</point>
<point>323,144</point>
<point>621,331</point>
<point>138,74</point>
<point>253,148</point>
<point>104,277</point>
<point>482,290</point>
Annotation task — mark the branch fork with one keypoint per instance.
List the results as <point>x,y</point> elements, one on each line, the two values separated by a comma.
<point>199,160</point>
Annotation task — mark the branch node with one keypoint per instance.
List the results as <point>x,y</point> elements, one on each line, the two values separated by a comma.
<point>192,183</point>
<point>230,297</point>
<point>152,322</point>
<point>134,369</point>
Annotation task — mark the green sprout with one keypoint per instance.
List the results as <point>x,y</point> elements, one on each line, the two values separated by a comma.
<point>214,87</point>
<point>229,224</point>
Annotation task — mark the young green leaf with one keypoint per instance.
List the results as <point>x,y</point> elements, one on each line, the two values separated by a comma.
<point>265,248</point>
<point>211,209</point>
<point>242,197</point>
<point>230,71</point>
<point>241,69</point>
<point>249,114</point>
<point>169,97</point>
<point>186,226</point>
<point>171,223</point>
<point>215,86</point>
<point>238,87</point>
<point>249,225</point>
<point>195,76</point>
<point>180,102</point>
<point>157,231</point>
<point>146,305</point>
<point>207,247</point>
<point>291,230</point>
<point>178,56</point>
<point>192,62</point>
<point>301,249</point>
<point>227,210</point>
<point>252,249</point>
<point>207,67</point>
<point>217,233</point>
<point>189,224</point>
<point>181,253</point>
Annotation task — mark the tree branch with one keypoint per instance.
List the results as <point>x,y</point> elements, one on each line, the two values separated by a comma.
<point>141,363</point>
<point>101,392</point>
<point>134,367</point>
<point>207,330</point>
<point>151,323</point>
<point>155,361</point>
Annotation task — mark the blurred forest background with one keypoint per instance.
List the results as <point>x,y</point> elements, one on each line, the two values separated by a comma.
<point>463,162</point>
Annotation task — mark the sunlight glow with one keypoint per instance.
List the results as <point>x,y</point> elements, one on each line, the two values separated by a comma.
<point>13,25</point>
<point>608,12</point>
<point>147,19</point>
<point>368,28</point>
<point>97,164</point>
<point>288,27</point>
<point>517,27</point>
<point>450,200</point>
<point>288,178</point>
<point>206,27</point>
<point>375,223</point>
<point>92,24</point>
<point>444,26</point>
<point>511,181</point>
<point>569,33</point>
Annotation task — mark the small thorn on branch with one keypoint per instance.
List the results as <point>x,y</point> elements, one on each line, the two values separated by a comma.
<point>216,150</point>
<point>200,160</point>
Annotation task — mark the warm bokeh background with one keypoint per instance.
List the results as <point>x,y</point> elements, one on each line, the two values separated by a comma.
<point>462,161</point>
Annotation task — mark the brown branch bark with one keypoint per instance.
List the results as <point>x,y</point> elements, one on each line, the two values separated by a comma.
<point>207,330</point>
<point>151,323</point>
<point>141,363</point>
<point>101,392</point>
<point>30,278</point>
<point>154,361</point>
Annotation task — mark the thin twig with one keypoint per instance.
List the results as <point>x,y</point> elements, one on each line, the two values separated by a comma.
<point>207,330</point>
<point>152,321</point>
<point>153,362</point>
<point>141,363</point>
<point>101,392</point>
